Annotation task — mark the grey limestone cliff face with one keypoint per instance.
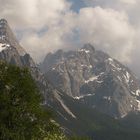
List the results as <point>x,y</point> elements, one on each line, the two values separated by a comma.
<point>10,49</point>
<point>95,79</point>
<point>12,52</point>
<point>7,36</point>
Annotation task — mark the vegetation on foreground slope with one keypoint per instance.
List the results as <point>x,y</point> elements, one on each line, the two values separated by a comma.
<point>21,115</point>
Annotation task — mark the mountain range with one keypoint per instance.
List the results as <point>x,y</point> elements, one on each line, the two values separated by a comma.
<point>91,93</point>
<point>95,79</point>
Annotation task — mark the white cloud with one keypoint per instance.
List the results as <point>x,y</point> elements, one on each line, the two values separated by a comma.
<point>53,19</point>
<point>57,36</point>
<point>128,1</point>
<point>130,52</point>
<point>108,30</point>
<point>48,25</point>
<point>33,13</point>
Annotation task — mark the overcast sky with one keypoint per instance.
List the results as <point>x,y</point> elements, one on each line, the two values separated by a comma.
<point>47,25</point>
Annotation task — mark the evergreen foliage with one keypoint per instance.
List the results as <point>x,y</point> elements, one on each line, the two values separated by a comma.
<point>21,115</point>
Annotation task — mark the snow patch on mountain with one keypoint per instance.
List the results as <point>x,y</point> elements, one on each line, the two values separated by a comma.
<point>124,115</point>
<point>84,50</point>
<point>110,59</point>
<point>99,82</point>
<point>127,77</point>
<point>92,79</point>
<point>107,98</point>
<point>114,65</point>
<point>3,46</point>
<point>136,93</point>
<point>111,62</point>
<point>90,66</point>
<point>83,96</point>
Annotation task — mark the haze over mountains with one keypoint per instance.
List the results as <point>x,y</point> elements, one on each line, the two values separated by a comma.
<point>86,88</point>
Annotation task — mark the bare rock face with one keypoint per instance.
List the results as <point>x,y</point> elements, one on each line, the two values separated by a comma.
<point>13,53</point>
<point>95,79</point>
<point>7,36</point>
<point>10,49</point>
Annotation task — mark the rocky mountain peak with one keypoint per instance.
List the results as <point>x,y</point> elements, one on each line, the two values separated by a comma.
<point>10,49</point>
<point>93,77</point>
<point>3,22</point>
<point>8,39</point>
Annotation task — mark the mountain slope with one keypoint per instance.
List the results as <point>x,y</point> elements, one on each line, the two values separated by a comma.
<point>13,53</point>
<point>95,79</point>
<point>78,119</point>
<point>10,49</point>
<point>94,89</point>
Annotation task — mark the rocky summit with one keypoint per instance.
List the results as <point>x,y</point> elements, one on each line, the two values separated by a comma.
<point>12,52</point>
<point>95,79</point>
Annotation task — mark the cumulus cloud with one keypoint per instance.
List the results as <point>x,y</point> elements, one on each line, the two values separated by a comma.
<point>57,36</point>
<point>33,13</point>
<point>43,23</point>
<point>129,50</point>
<point>108,30</point>
<point>48,25</point>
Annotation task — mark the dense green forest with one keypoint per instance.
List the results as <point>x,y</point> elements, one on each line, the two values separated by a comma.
<point>21,115</point>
